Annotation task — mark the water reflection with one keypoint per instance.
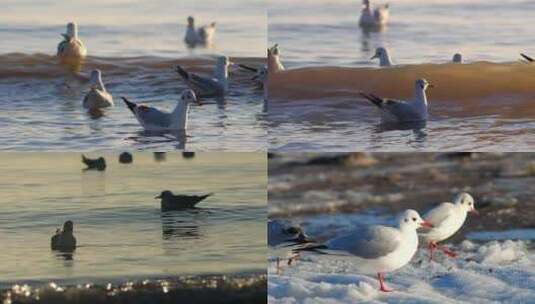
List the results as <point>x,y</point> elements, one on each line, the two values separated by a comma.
<point>182,224</point>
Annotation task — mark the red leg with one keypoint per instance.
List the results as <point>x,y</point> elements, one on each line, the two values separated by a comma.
<point>382,283</point>
<point>432,245</point>
<point>448,252</point>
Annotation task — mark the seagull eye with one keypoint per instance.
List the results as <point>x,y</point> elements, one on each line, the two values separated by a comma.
<point>406,220</point>
<point>414,219</point>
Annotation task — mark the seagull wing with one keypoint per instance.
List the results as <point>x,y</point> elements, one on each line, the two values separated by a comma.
<point>528,58</point>
<point>204,86</point>
<point>439,214</point>
<point>370,243</point>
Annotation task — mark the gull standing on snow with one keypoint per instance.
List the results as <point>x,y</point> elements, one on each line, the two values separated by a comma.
<point>447,219</point>
<point>384,57</point>
<point>376,249</point>
<point>97,97</point>
<point>399,111</point>
<point>71,49</point>
<point>215,86</point>
<point>201,36</point>
<point>373,17</point>
<point>457,58</point>
<point>152,119</point>
<point>274,63</point>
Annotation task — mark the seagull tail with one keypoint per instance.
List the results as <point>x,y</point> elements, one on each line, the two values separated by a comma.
<point>528,58</point>
<point>132,106</point>
<point>373,99</point>
<point>248,68</point>
<point>207,195</point>
<point>182,72</point>
<point>85,160</point>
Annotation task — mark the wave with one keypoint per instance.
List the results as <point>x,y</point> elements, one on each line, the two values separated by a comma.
<point>501,85</point>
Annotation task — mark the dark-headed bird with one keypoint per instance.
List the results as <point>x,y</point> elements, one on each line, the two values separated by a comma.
<point>64,240</point>
<point>169,201</point>
<point>94,164</point>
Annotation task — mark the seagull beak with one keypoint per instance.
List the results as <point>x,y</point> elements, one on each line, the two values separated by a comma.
<point>374,56</point>
<point>426,224</point>
<point>474,211</point>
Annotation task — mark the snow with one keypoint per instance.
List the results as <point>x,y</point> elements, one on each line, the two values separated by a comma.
<point>491,272</point>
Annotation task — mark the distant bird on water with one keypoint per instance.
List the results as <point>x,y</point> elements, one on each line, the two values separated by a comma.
<point>71,50</point>
<point>377,17</point>
<point>97,97</point>
<point>94,164</point>
<point>64,240</point>
<point>169,201</point>
<point>201,36</point>
<point>125,158</point>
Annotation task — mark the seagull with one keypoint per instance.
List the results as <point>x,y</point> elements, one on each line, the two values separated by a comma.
<point>527,58</point>
<point>126,158</point>
<point>152,119</point>
<point>203,86</point>
<point>201,36</point>
<point>169,201</point>
<point>71,48</point>
<point>457,58</point>
<point>376,249</point>
<point>399,111</point>
<point>94,164</point>
<point>373,18</point>
<point>384,57</point>
<point>447,218</point>
<point>97,97</point>
<point>64,240</point>
<point>274,63</point>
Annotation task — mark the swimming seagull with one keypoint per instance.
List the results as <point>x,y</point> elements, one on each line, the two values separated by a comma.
<point>169,201</point>
<point>447,219</point>
<point>527,58</point>
<point>94,164</point>
<point>201,36</point>
<point>64,240</point>
<point>71,48</point>
<point>273,62</point>
<point>399,111</point>
<point>152,119</point>
<point>457,58</point>
<point>384,57</point>
<point>203,86</point>
<point>97,97</point>
<point>373,18</point>
<point>376,249</point>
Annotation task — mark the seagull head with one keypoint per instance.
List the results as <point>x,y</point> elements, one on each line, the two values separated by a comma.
<point>457,58</point>
<point>191,21</point>
<point>96,79</point>
<point>68,227</point>
<point>274,50</point>
<point>165,194</point>
<point>422,84</point>
<point>189,96</point>
<point>380,52</point>
<point>72,30</point>
<point>411,219</point>
<point>466,202</point>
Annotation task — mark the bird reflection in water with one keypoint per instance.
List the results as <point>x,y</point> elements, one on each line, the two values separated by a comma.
<point>182,224</point>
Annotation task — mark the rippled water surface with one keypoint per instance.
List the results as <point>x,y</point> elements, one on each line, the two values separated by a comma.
<point>120,229</point>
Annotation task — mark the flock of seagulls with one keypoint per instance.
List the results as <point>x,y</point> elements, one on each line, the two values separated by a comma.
<point>380,249</point>
<point>65,242</point>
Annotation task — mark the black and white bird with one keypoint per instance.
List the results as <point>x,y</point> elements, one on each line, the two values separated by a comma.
<point>206,86</point>
<point>94,164</point>
<point>169,201</point>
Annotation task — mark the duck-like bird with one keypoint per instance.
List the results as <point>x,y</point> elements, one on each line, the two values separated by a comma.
<point>273,60</point>
<point>202,36</point>
<point>71,49</point>
<point>215,86</point>
<point>377,17</point>
<point>399,111</point>
<point>152,119</point>
<point>64,240</point>
<point>97,97</point>
<point>94,164</point>
<point>169,201</point>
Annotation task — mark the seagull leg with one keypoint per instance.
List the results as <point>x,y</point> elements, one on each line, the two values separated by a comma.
<point>448,252</point>
<point>382,287</point>
<point>432,245</point>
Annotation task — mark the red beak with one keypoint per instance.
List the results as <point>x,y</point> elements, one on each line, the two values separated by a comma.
<point>426,224</point>
<point>474,211</point>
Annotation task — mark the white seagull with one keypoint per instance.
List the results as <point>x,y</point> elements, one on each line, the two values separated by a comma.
<point>373,17</point>
<point>215,86</point>
<point>274,63</point>
<point>201,36</point>
<point>384,57</point>
<point>399,111</point>
<point>152,119</point>
<point>71,48</point>
<point>97,97</point>
<point>447,219</point>
<point>457,58</point>
<point>376,249</point>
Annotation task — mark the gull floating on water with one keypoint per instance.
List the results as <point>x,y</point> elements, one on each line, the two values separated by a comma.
<point>152,119</point>
<point>94,164</point>
<point>457,58</point>
<point>373,17</point>
<point>447,218</point>
<point>376,249</point>
<point>215,86</point>
<point>201,36</point>
<point>384,57</point>
<point>71,48</point>
<point>97,97</point>
<point>399,111</point>
<point>273,60</point>
<point>64,240</point>
<point>169,201</point>
<point>527,58</point>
